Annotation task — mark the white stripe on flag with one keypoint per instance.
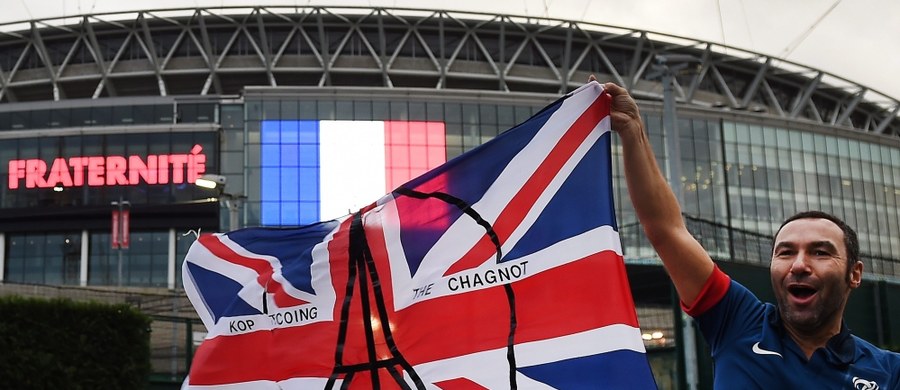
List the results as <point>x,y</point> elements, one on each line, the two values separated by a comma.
<point>351,166</point>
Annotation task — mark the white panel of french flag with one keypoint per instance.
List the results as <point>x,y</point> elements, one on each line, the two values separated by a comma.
<point>320,170</point>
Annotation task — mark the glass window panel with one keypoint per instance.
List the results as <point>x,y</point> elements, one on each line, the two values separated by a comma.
<point>271,109</point>
<point>831,146</point>
<point>381,111</point>
<point>453,113</point>
<point>71,146</point>
<point>729,131</point>
<point>232,162</point>
<point>307,110</point>
<point>796,139</point>
<point>206,112</point>
<point>232,116</point>
<point>867,170</point>
<point>399,111</point>
<point>187,113</point>
<point>143,114</point>
<point>713,130</point>
<point>807,143</point>
<point>123,115</point>
<point>782,137</point>
<point>344,110</point>
<point>80,116</point>
<point>101,116</point>
<point>254,110</point>
<point>49,149</point>
<point>20,120</point>
<point>362,111</point>
<point>102,266</point>
<point>825,186</point>
<point>488,114</point>
<point>137,144</point>
<point>453,151</point>
<point>417,111</point>
<point>743,133</point>
<point>115,144</point>
<point>164,113</point>
<point>843,148</point>
<point>742,154</point>
<point>769,136</point>
<point>506,116</point>
<point>15,258</point>
<point>654,124</point>
<point>854,150</point>
<point>756,134</point>
<point>41,119</point>
<point>232,140</point>
<point>522,114</point>
<point>489,131</point>
<point>470,113</point>
<point>471,137</point>
<point>687,149</point>
<point>819,141</point>
<point>288,109</point>
<point>758,155</point>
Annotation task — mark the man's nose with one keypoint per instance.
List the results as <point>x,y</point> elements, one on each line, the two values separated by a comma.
<point>800,265</point>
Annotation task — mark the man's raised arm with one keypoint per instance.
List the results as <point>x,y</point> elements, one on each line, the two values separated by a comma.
<point>658,211</point>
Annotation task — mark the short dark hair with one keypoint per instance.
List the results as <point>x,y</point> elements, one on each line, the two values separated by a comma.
<point>851,241</point>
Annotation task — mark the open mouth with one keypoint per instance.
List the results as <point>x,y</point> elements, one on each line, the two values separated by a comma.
<point>801,292</point>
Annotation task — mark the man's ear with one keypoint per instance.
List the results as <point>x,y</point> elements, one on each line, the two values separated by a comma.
<point>856,274</point>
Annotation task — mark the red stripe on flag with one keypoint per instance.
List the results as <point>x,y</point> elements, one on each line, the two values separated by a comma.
<point>459,384</point>
<point>596,295</point>
<point>262,267</point>
<point>411,149</point>
<point>514,212</point>
<point>266,355</point>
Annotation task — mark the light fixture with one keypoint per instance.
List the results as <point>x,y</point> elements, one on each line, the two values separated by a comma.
<point>230,201</point>
<point>211,181</point>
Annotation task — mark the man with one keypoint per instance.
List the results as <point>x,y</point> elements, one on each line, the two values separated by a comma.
<point>802,343</point>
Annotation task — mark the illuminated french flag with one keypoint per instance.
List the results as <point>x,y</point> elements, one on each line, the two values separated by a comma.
<point>320,170</point>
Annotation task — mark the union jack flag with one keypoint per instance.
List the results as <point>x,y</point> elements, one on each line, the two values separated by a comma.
<point>501,268</point>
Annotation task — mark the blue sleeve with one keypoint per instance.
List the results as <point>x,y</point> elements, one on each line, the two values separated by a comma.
<point>737,313</point>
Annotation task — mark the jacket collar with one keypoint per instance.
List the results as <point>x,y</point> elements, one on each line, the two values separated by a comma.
<point>840,350</point>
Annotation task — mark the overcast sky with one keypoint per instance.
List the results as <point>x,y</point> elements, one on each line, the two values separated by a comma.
<point>855,39</point>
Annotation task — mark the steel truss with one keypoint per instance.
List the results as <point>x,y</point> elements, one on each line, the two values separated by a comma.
<point>218,51</point>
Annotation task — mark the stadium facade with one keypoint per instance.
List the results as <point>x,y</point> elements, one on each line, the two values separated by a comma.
<point>110,114</point>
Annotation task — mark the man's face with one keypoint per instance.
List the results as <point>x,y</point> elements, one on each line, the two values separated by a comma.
<point>809,274</point>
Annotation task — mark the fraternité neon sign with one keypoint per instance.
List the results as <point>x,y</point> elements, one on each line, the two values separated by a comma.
<point>97,171</point>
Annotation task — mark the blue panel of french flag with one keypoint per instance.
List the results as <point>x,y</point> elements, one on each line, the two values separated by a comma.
<point>320,170</point>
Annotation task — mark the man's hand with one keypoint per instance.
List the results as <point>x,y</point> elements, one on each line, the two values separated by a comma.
<point>624,112</point>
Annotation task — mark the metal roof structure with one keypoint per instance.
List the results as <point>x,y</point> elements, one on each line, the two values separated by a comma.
<point>219,51</point>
